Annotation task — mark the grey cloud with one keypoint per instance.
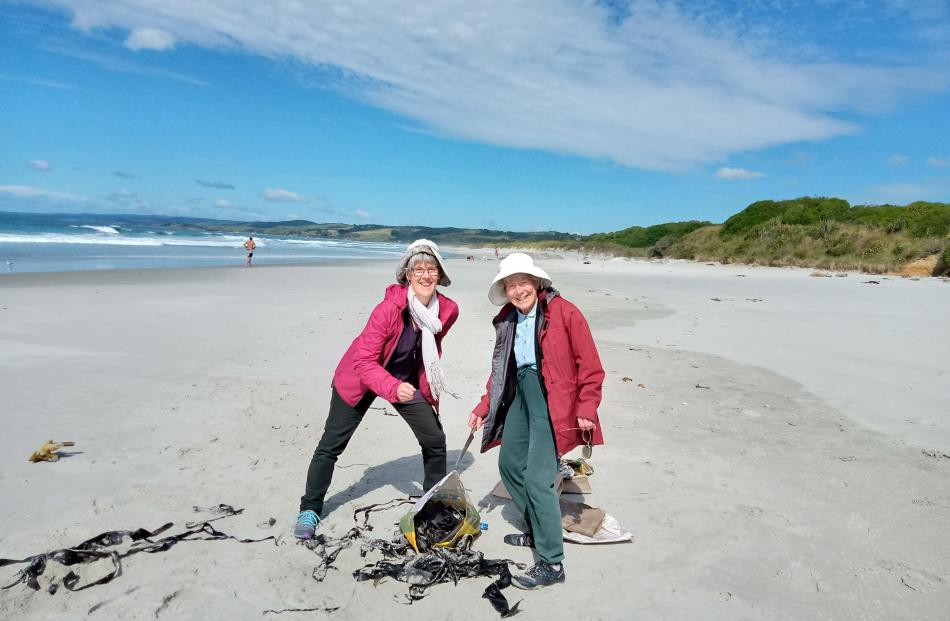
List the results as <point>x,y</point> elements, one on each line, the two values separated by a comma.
<point>220,185</point>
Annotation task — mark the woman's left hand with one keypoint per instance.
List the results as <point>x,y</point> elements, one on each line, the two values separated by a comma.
<point>585,425</point>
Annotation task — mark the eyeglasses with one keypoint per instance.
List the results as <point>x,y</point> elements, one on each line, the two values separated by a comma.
<point>420,272</point>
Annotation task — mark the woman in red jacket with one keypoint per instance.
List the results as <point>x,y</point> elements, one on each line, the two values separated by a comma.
<point>541,401</point>
<point>395,357</point>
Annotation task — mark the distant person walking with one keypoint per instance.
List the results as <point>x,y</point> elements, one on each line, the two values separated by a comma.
<point>541,402</point>
<point>249,245</point>
<point>396,357</point>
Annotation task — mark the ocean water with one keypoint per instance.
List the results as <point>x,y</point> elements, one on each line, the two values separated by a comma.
<point>58,243</point>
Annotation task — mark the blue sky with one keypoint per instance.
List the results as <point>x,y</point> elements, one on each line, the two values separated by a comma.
<point>566,115</point>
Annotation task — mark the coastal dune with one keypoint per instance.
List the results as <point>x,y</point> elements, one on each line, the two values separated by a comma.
<point>779,445</point>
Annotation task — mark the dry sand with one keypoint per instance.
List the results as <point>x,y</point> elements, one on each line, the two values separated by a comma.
<point>777,444</point>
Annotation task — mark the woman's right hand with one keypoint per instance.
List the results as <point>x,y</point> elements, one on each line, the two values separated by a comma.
<point>405,392</point>
<point>475,422</point>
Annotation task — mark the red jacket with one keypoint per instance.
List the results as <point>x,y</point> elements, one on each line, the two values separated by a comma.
<point>571,373</point>
<point>362,368</point>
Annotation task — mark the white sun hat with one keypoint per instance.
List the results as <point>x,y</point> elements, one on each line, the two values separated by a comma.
<point>421,245</point>
<point>515,263</point>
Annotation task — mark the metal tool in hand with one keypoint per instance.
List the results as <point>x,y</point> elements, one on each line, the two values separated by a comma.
<point>468,443</point>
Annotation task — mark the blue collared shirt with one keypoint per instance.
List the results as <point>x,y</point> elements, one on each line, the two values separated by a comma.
<point>524,338</point>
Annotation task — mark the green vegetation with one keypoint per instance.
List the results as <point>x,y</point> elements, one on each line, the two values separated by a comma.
<point>918,219</point>
<point>821,232</point>
<point>943,264</point>
<point>654,240</point>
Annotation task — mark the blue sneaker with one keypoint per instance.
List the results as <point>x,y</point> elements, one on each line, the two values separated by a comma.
<point>307,523</point>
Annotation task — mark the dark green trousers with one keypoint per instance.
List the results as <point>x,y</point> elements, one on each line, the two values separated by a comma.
<point>528,465</point>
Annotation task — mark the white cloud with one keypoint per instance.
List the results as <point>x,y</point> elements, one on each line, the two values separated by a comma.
<point>149,39</point>
<point>38,81</point>
<point>282,195</point>
<point>898,160</point>
<point>223,204</point>
<point>362,214</point>
<point>25,191</point>
<point>122,65</point>
<point>122,195</point>
<point>42,165</point>
<point>127,199</point>
<point>657,85</point>
<point>733,174</point>
<point>938,162</point>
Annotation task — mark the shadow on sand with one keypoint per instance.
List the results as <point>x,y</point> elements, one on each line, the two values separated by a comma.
<point>404,474</point>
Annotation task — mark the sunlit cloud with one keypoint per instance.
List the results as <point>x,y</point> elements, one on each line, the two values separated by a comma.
<point>41,165</point>
<point>25,191</point>
<point>737,174</point>
<point>121,196</point>
<point>111,62</point>
<point>149,39</point>
<point>282,195</point>
<point>938,162</point>
<point>223,204</point>
<point>362,214</point>
<point>656,85</point>
<point>37,81</point>
<point>898,160</point>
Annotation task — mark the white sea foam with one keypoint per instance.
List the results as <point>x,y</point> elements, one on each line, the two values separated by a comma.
<point>210,240</point>
<point>108,230</point>
<point>119,240</point>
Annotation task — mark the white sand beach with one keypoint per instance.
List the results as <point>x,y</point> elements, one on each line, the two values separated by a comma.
<point>778,444</point>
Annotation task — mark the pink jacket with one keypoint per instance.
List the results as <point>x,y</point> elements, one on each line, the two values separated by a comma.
<point>362,368</point>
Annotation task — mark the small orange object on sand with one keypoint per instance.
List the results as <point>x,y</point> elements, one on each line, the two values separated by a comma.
<point>48,452</point>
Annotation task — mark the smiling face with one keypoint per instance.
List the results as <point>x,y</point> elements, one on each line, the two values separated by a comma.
<point>423,276</point>
<point>522,291</point>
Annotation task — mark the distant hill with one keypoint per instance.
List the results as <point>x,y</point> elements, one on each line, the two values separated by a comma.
<point>824,232</point>
<point>294,228</point>
<point>374,232</point>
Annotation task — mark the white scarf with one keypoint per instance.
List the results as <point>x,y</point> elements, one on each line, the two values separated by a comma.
<point>427,318</point>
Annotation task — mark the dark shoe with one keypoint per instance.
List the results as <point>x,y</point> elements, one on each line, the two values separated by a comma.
<point>521,539</point>
<point>540,575</point>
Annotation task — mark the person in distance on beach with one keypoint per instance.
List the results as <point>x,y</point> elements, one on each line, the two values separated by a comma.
<point>540,402</point>
<point>249,245</point>
<point>396,357</point>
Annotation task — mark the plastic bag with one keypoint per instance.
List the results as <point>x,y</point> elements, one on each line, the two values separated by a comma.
<point>442,518</point>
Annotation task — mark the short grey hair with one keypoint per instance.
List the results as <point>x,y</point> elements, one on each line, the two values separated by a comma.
<point>421,257</point>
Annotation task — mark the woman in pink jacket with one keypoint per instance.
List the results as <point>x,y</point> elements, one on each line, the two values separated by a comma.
<point>396,357</point>
<point>541,402</point>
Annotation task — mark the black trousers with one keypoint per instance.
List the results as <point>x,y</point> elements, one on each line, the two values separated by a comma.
<point>342,422</point>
